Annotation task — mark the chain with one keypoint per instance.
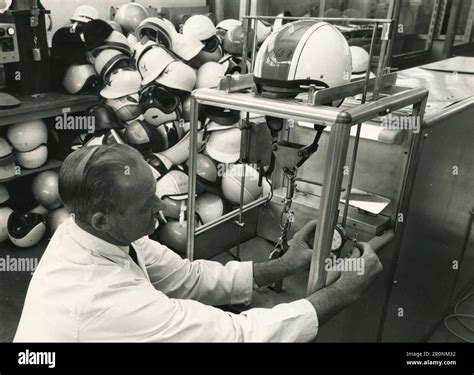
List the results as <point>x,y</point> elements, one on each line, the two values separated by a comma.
<point>287,216</point>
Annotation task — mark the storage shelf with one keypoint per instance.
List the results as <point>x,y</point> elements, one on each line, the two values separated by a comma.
<point>50,164</point>
<point>46,105</point>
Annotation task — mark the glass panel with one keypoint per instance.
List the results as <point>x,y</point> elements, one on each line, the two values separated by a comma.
<point>413,26</point>
<point>464,23</point>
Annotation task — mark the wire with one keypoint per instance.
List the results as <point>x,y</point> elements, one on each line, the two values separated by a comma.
<point>458,317</point>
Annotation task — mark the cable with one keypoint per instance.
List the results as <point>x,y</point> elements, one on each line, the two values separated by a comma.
<point>457,316</point>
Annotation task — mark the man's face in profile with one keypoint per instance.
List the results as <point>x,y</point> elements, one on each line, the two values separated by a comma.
<point>140,205</point>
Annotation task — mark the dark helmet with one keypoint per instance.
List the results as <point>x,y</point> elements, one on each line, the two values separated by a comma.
<point>26,229</point>
<point>105,117</point>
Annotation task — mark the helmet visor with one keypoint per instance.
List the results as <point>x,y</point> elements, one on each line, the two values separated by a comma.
<point>211,44</point>
<point>161,98</point>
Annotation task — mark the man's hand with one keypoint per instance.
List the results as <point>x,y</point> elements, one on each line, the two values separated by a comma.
<point>349,287</point>
<point>300,247</point>
<point>354,283</point>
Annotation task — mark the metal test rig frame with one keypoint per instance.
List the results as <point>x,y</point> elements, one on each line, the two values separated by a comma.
<point>237,93</point>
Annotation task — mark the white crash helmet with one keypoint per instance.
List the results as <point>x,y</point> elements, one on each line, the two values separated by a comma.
<point>46,191</point>
<point>224,146</point>
<point>179,153</point>
<point>80,79</point>
<point>122,82</point>
<point>85,14</point>
<point>140,48</point>
<point>199,27</point>
<point>26,229</point>
<point>116,41</point>
<point>107,60</point>
<point>152,63</point>
<point>228,24</point>
<point>173,185</point>
<point>360,60</point>
<point>32,159</point>
<point>129,16</point>
<point>4,194</point>
<point>28,135</point>
<point>209,75</point>
<point>178,76</point>
<point>209,207</point>
<point>5,213</point>
<point>157,29</point>
<point>186,47</point>
<point>303,53</point>
<point>232,183</point>
<point>127,108</point>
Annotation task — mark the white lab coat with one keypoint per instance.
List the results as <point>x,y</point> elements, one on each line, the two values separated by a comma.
<point>88,290</point>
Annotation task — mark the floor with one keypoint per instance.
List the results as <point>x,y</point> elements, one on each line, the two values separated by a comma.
<point>15,284</point>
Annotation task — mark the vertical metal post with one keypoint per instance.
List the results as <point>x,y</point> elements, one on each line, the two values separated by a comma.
<point>245,30</point>
<point>455,13</point>
<point>394,14</point>
<point>193,141</point>
<point>406,190</point>
<point>387,27</point>
<point>329,204</point>
<point>254,45</point>
<point>359,128</point>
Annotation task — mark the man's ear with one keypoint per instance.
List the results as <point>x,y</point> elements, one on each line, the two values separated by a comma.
<point>99,222</point>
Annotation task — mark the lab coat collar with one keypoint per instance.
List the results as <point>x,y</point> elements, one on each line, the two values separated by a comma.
<point>96,245</point>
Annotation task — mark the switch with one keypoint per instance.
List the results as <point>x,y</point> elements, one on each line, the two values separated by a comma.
<point>8,45</point>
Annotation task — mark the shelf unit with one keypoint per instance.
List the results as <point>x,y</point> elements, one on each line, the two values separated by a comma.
<point>43,106</point>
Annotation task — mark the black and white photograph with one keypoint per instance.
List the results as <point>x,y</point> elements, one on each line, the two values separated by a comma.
<point>237,171</point>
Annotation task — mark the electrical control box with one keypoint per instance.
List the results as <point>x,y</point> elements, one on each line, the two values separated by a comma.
<point>9,52</point>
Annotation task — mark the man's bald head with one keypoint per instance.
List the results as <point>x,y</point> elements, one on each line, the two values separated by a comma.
<point>96,179</point>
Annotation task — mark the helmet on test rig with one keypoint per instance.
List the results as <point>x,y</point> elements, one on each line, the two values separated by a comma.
<point>300,54</point>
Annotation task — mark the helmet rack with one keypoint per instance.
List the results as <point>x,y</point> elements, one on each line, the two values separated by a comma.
<point>340,121</point>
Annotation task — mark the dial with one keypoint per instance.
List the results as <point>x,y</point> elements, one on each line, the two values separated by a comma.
<point>339,238</point>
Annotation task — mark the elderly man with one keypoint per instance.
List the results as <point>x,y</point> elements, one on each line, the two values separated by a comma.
<point>102,279</point>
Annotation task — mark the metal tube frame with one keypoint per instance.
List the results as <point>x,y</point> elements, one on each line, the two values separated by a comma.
<point>340,123</point>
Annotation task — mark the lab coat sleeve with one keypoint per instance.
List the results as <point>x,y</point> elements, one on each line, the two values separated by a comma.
<point>134,311</point>
<point>204,281</point>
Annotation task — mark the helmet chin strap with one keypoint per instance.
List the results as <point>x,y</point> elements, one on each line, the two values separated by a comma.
<point>290,156</point>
